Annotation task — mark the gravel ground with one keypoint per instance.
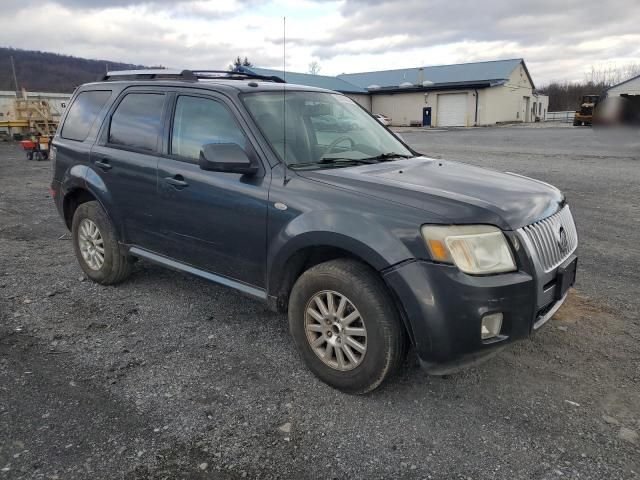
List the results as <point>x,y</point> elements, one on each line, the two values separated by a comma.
<point>167,376</point>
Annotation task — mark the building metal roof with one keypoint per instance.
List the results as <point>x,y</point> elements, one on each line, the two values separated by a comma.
<point>320,81</point>
<point>438,77</point>
<point>436,86</point>
<point>493,72</point>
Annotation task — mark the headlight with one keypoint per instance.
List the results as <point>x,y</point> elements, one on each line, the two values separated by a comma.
<point>474,249</point>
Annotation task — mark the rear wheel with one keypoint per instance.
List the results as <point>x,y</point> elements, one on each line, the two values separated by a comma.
<point>97,249</point>
<point>345,325</point>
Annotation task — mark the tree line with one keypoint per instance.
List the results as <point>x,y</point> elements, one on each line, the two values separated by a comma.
<point>38,71</point>
<point>49,72</point>
<point>568,95</point>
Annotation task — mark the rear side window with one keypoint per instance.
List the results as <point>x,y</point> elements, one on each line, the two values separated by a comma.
<point>199,121</point>
<point>137,122</point>
<point>83,113</point>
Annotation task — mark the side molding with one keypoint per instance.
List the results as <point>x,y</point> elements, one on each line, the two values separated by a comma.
<point>249,290</point>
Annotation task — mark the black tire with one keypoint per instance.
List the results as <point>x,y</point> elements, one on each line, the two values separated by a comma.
<point>386,337</point>
<point>576,123</point>
<point>117,263</point>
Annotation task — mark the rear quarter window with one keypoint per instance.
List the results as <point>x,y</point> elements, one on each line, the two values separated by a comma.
<point>137,121</point>
<point>83,114</point>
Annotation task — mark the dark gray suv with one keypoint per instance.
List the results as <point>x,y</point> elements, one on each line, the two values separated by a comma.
<point>298,197</point>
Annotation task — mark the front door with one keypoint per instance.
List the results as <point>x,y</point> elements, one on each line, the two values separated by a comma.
<point>213,221</point>
<point>426,116</point>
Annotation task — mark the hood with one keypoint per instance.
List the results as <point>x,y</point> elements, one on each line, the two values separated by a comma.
<point>452,192</point>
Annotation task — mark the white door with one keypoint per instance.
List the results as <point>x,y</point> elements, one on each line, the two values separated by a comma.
<point>452,110</point>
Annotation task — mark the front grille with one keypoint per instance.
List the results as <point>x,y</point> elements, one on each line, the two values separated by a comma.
<point>552,239</point>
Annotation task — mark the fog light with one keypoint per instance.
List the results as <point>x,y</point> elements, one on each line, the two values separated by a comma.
<point>491,325</point>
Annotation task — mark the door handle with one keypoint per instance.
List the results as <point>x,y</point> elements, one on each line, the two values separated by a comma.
<point>104,164</point>
<point>177,181</point>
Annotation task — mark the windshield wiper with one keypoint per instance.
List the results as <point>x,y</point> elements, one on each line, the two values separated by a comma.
<point>337,161</point>
<point>343,162</point>
<point>387,156</point>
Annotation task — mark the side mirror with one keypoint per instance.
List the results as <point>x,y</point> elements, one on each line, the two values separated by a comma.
<point>226,157</point>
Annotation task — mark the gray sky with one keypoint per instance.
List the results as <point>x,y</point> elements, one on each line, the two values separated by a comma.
<point>559,39</point>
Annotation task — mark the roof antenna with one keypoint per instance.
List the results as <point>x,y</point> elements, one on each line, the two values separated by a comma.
<point>284,95</point>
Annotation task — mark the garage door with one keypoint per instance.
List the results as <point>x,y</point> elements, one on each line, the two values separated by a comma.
<point>452,110</point>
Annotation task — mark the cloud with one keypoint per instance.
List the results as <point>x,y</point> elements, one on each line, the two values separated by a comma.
<point>15,5</point>
<point>542,31</point>
<point>102,4</point>
<point>558,40</point>
<point>138,34</point>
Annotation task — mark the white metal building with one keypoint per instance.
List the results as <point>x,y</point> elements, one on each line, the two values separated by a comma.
<point>629,87</point>
<point>464,95</point>
<point>621,103</point>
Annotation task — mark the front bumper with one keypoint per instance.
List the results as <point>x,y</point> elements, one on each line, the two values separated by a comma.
<point>443,310</point>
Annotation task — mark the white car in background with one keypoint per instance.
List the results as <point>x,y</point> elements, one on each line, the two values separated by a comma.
<point>382,119</point>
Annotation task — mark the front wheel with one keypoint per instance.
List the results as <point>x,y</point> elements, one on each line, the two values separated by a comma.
<point>345,325</point>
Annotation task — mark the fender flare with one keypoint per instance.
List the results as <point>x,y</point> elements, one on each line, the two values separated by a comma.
<point>82,177</point>
<point>357,234</point>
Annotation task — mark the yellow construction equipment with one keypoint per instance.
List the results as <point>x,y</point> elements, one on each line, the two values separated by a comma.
<point>584,116</point>
<point>31,115</point>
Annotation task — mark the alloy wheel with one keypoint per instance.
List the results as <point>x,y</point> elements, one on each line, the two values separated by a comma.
<point>335,330</point>
<point>91,244</point>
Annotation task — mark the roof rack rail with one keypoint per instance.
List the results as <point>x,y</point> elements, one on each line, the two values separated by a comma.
<point>234,75</point>
<point>150,74</point>
<point>166,74</point>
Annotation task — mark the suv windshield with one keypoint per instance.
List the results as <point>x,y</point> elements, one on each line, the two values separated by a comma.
<point>320,130</point>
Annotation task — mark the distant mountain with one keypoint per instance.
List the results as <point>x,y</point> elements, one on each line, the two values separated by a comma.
<point>50,72</point>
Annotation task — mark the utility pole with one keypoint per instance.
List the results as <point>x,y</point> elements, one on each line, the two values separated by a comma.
<point>15,79</point>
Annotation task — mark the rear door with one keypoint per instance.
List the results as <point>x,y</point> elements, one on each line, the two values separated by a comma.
<point>214,221</point>
<point>126,159</point>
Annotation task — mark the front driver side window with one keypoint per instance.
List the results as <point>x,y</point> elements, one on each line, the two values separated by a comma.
<point>199,121</point>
